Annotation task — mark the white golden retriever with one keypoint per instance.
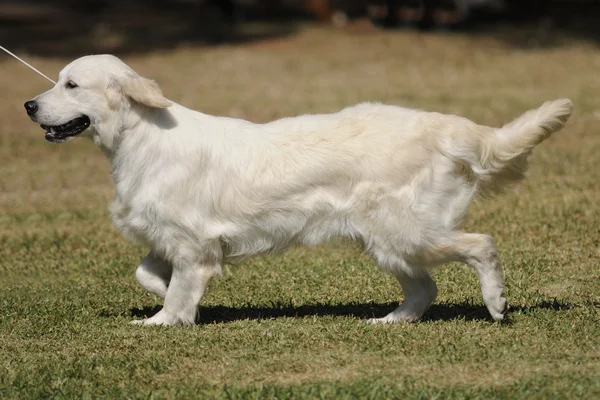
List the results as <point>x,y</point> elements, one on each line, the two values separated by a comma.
<point>199,190</point>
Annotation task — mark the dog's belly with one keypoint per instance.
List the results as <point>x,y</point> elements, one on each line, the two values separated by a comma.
<point>283,229</point>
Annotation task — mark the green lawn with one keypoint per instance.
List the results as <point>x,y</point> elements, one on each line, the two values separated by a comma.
<point>294,325</point>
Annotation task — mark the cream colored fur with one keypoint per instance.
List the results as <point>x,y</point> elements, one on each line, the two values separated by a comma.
<point>200,190</point>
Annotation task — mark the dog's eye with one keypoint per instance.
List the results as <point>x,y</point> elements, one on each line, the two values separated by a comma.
<point>71,85</point>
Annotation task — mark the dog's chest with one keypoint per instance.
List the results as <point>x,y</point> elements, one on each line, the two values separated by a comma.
<point>136,209</point>
<point>130,221</point>
<point>139,214</point>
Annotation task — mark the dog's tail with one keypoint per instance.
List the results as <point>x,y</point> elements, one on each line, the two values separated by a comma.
<point>498,157</point>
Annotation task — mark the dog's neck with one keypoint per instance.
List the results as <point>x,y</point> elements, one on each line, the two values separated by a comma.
<point>135,119</point>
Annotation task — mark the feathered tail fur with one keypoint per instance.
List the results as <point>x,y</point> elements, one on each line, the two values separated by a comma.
<point>498,157</point>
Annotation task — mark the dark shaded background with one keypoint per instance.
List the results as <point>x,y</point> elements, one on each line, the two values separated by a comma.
<point>75,27</point>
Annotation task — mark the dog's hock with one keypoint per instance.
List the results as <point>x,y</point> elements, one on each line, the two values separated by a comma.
<point>144,91</point>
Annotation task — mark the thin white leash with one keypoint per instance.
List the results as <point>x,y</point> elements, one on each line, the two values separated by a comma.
<point>29,65</point>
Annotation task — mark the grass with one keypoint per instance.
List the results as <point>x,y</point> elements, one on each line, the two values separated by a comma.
<point>293,325</point>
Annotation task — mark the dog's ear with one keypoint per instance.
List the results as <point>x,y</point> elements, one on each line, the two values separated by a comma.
<point>144,91</point>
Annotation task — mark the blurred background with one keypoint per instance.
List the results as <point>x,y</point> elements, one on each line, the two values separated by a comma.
<point>74,27</point>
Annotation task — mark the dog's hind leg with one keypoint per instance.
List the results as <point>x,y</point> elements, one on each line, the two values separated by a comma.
<point>419,291</point>
<point>479,251</point>
<point>476,250</point>
<point>154,275</point>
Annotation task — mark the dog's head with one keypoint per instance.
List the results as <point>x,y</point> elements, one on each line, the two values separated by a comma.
<point>93,96</point>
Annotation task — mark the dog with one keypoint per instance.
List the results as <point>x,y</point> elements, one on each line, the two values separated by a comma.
<point>202,190</point>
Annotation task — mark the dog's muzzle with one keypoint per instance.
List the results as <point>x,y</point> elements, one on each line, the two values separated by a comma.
<point>60,133</point>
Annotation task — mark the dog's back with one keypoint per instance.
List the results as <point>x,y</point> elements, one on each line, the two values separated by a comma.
<point>374,170</point>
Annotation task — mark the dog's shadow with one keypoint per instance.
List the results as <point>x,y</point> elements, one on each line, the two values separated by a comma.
<point>443,311</point>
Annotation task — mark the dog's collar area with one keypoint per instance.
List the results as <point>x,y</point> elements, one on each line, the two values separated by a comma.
<point>58,133</point>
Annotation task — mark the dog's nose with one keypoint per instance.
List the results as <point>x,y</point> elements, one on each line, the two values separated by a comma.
<point>31,106</point>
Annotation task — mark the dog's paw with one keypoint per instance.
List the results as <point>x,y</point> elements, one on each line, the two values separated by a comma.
<point>498,308</point>
<point>380,321</point>
<point>160,318</point>
<point>395,317</point>
<point>149,321</point>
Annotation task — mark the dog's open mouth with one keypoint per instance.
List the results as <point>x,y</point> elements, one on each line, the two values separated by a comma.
<point>60,133</point>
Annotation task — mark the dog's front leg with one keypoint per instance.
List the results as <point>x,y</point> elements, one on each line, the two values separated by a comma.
<point>187,285</point>
<point>154,274</point>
